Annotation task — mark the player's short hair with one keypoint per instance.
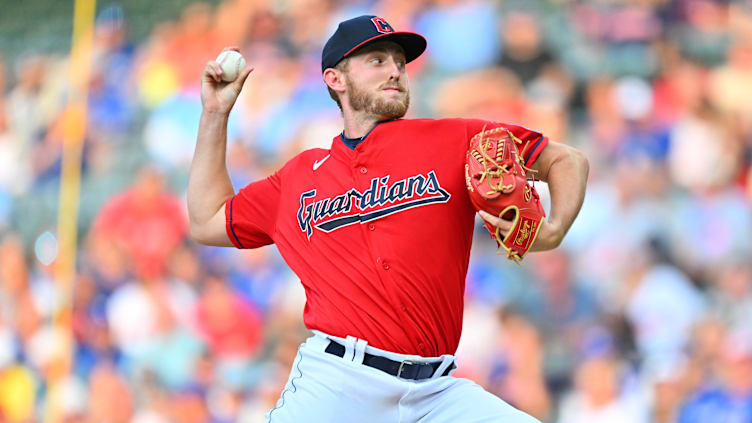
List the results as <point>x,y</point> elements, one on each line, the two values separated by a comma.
<point>342,66</point>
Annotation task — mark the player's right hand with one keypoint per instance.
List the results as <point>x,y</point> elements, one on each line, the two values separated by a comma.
<point>218,96</point>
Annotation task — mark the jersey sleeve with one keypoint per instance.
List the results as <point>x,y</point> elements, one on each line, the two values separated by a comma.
<point>251,215</point>
<point>533,142</point>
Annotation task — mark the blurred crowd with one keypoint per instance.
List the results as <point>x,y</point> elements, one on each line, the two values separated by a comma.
<point>643,315</point>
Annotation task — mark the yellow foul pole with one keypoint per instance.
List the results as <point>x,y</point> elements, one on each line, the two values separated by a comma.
<point>74,130</point>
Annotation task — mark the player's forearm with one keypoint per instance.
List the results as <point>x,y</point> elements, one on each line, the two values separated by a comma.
<point>567,179</point>
<point>209,184</point>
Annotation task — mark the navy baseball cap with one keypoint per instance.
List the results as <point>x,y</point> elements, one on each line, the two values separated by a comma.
<point>357,32</point>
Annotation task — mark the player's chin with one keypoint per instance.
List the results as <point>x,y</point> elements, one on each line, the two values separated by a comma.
<point>393,109</point>
<point>395,99</point>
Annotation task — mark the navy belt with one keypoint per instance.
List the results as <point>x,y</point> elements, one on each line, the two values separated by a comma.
<point>402,369</point>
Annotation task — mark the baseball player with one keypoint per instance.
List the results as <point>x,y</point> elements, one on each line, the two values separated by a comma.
<point>378,228</point>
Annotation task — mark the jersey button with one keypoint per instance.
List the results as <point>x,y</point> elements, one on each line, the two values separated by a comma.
<point>371,226</point>
<point>386,266</point>
<point>363,170</point>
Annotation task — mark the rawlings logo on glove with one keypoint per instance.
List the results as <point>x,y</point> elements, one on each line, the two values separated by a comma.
<point>496,179</point>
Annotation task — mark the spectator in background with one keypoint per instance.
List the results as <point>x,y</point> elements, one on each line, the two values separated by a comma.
<point>605,125</point>
<point>146,222</point>
<point>701,29</point>
<point>156,76</point>
<point>94,343</point>
<point>270,125</point>
<point>24,311</point>
<point>666,390</point>
<point>18,133</point>
<point>644,137</point>
<point>721,222</point>
<point>194,40</point>
<point>679,88</point>
<point>231,326</point>
<point>601,393</point>
<point>563,310</point>
<point>110,398</point>
<point>731,294</point>
<point>519,377</point>
<point>459,49</point>
<point>702,355</point>
<point>622,34</point>
<point>524,51</point>
<point>10,155</point>
<point>105,262</point>
<point>255,275</point>
<point>730,82</point>
<point>14,275</point>
<point>47,154</point>
<point>498,94</point>
<point>730,400</point>
<point>111,105</point>
<point>306,23</point>
<point>705,154</point>
<point>185,267</point>
<point>25,100</point>
<point>663,306</point>
<point>188,406</point>
<point>169,128</point>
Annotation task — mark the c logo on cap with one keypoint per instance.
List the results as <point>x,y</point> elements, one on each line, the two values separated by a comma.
<point>381,25</point>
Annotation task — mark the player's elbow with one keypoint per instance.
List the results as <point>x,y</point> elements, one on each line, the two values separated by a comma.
<point>581,161</point>
<point>572,161</point>
<point>208,228</point>
<point>198,233</point>
<point>207,234</point>
<point>210,233</point>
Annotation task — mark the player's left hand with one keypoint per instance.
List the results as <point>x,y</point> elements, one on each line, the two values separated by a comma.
<point>549,236</point>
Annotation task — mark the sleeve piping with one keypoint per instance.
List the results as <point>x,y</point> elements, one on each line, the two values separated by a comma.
<point>531,154</point>
<point>231,230</point>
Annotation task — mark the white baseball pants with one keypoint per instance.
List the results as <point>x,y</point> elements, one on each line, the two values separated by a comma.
<point>324,388</point>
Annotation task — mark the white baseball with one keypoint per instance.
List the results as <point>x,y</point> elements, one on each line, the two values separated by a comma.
<point>232,63</point>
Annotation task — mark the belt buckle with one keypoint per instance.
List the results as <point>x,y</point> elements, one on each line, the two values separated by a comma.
<point>402,365</point>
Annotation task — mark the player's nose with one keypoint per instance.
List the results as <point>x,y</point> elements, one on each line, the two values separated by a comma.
<point>395,70</point>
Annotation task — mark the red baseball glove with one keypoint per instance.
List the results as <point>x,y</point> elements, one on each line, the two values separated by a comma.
<point>497,182</point>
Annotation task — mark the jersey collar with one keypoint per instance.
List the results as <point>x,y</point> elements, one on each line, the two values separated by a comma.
<point>339,148</point>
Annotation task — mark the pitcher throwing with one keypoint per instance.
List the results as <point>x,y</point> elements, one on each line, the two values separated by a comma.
<point>378,228</point>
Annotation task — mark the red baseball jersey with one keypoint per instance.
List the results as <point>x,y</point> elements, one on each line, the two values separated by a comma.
<point>380,236</point>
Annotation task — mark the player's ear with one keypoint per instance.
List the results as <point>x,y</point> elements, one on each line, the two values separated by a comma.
<point>335,79</point>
